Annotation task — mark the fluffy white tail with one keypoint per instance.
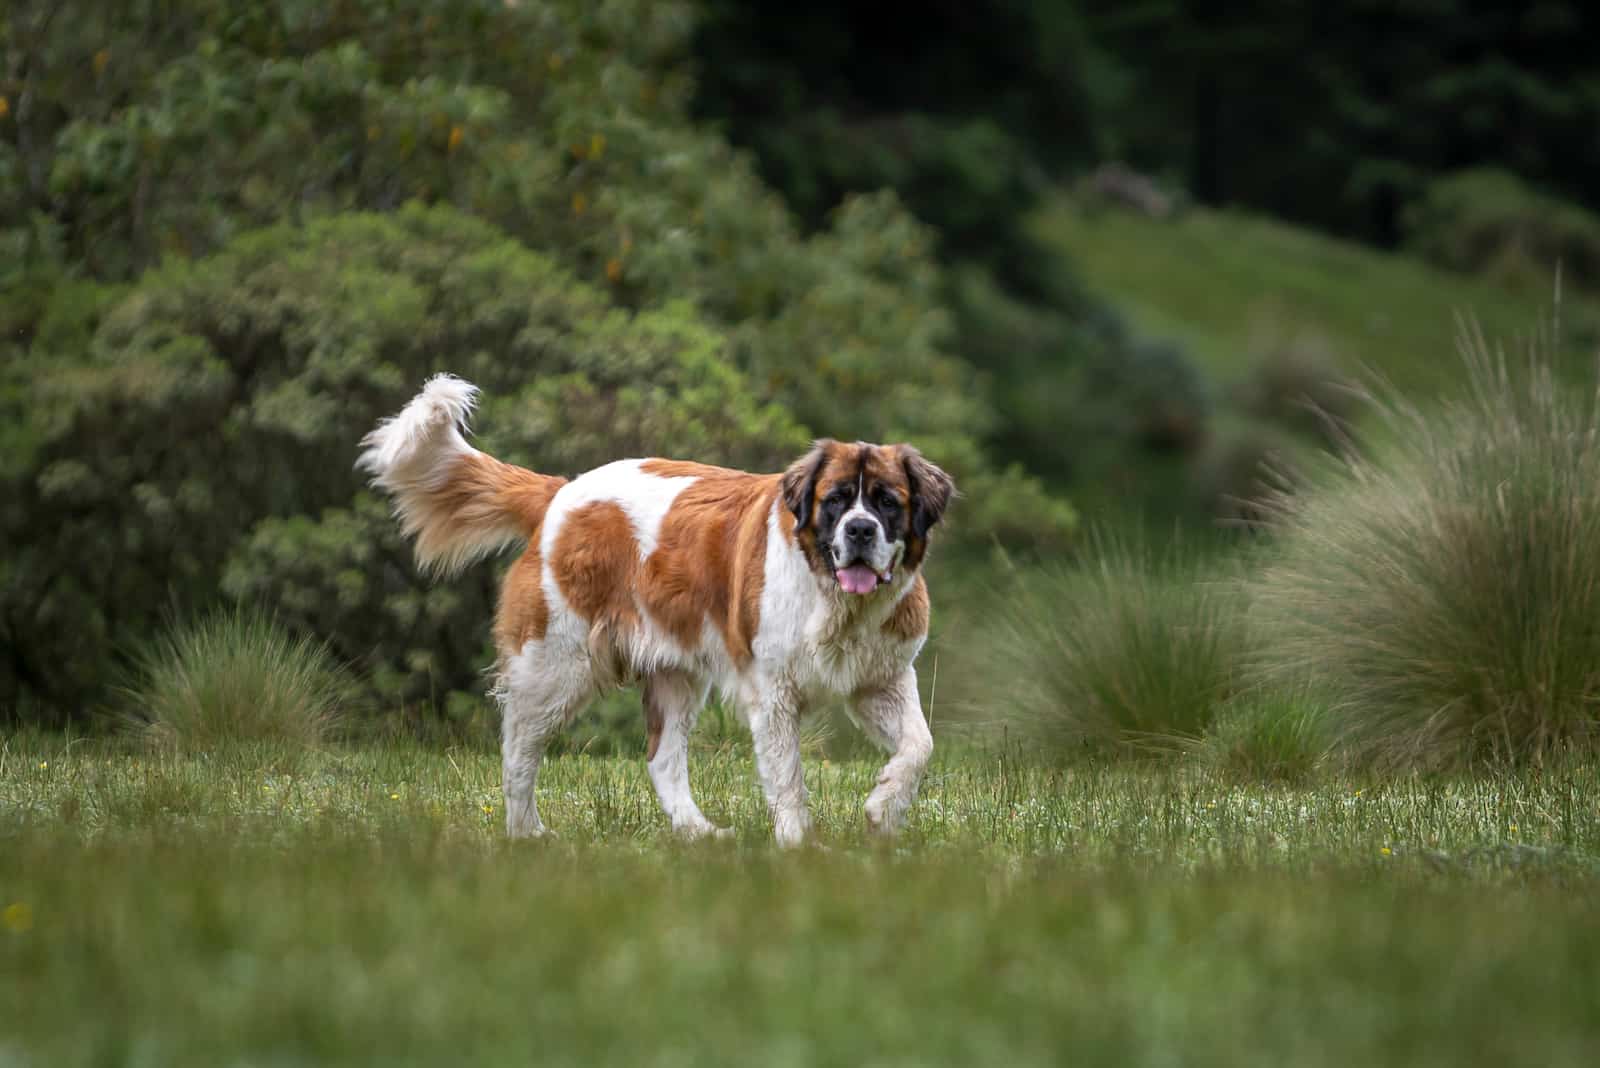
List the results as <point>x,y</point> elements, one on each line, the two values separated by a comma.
<point>460,504</point>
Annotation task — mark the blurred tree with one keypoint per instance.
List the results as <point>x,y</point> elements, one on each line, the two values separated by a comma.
<point>966,111</point>
<point>1339,115</point>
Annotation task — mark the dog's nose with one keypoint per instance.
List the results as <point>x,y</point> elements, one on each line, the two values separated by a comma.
<point>860,531</point>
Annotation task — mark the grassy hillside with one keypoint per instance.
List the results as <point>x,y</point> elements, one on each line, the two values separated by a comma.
<point>1228,285</point>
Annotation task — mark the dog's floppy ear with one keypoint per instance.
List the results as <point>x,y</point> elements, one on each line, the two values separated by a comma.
<point>800,481</point>
<point>931,490</point>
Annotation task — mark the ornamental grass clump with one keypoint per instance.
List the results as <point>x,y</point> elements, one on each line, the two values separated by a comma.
<point>1132,652</point>
<point>1269,735</point>
<point>234,678</point>
<point>1443,590</point>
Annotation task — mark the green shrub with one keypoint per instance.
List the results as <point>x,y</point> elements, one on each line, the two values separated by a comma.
<point>236,678</point>
<point>1244,465</point>
<point>206,438</point>
<point>1269,736</point>
<point>251,233</point>
<point>1296,382</point>
<point>1444,593</point>
<point>565,124</point>
<point>1489,222</point>
<point>1129,652</point>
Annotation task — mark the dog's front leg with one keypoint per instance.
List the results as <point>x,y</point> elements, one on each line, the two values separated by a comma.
<point>774,714</point>
<point>892,717</point>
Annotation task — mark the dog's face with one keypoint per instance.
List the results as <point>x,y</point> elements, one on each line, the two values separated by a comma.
<point>864,511</point>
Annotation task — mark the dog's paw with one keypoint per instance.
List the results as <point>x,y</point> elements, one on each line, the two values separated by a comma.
<point>791,829</point>
<point>884,812</point>
<point>692,830</point>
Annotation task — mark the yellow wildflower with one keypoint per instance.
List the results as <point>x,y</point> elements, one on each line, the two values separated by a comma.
<point>17,917</point>
<point>5,107</point>
<point>580,203</point>
<point>488,810</point>
<point>456,134</point>
<point>43,764</point>
<point>597,145</point>
<point>614,269</point>
<point>1513,828</point>
<point>1386,851</point>
<point>394,797</point>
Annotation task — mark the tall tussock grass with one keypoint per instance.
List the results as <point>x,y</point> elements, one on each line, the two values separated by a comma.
<point>231,678</point>
<point>1444,591</point>
<point>1132,652</point>
<point>1269,734</point>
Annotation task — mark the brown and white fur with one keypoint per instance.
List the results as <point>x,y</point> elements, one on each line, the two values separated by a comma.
<point>777,590</point>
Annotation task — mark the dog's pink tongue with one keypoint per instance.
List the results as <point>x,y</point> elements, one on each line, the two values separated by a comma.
<point>858,578</point>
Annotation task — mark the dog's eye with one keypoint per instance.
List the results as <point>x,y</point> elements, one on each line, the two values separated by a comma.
<point>885,500</point>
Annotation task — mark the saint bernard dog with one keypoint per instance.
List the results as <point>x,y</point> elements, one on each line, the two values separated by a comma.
<point>777,590</point>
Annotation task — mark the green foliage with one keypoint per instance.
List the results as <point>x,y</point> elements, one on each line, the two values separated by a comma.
<point>1269,736</point>
<point>206,437</point>
<point>1442,593</point>
<point>235,678</point>
<point>212,290</point>
<point>564,123</point>
<point>1490,222</point>
<point>1131,652</point>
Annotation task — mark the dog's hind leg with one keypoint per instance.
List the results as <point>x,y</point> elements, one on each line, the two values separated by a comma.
<point>540,689</point>
<point>672,701</point>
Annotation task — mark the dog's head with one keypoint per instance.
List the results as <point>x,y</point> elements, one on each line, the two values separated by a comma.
<point>863,512</point>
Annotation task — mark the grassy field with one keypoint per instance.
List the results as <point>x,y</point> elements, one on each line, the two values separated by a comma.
<point>360,905</point>
<point>1226,285</point>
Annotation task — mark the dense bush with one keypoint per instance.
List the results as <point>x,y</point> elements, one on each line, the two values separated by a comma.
<point>564,123</point>
<point>1130,652</point>
<point>205,437</point>
<point>1443,592</point>
<point>211,290</point>
<point>1490,222</point>
<point>235,677</point>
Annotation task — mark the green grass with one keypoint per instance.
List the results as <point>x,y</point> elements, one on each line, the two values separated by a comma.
<point>1225,284</point>
<point>362,907</point>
